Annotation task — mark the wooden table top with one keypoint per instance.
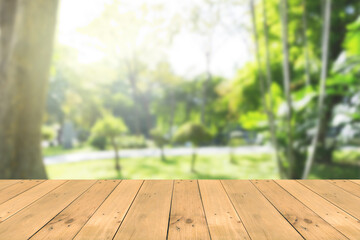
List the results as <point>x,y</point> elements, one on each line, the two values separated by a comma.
<point>179,209</point>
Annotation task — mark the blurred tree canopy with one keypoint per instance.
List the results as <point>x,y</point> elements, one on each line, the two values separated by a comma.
<point>286,95</point>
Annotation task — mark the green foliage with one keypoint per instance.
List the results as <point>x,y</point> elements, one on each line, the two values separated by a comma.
<point>128,142</point>
<point>192,132</point>
<point>158,137</point>
<point>47,133</point>
<point>98,142</point>
<point>236,138</point>
<point>107,130</point>
<point>109,127</point>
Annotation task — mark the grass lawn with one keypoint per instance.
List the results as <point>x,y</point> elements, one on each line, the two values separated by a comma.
<point>260,166</point>
<point>208,167</point>
<point>59,150</point>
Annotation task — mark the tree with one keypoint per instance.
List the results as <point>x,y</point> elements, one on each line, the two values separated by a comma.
<point>306,46</point>
<point>27,33</point>
<point>321,104</point>
<point>160,141</point>
<point>267,90</point>
<point>111,128</point>
<point>194,133</point>
<point>287,80</point>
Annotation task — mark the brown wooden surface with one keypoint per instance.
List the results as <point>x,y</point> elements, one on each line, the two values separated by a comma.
<point>179,209</point>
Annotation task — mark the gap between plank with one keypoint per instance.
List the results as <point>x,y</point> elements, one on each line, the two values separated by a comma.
<point>63,208</point>
<point>311,209</point>
<point>202,204</point>
<point>171,199</point>
<point>328,200</point>
<point>128,208</point>
<point>343,188</point>
<point>33,201</point>
<point>242,222</point>
<point>275,207</point>
<point>98,207</point>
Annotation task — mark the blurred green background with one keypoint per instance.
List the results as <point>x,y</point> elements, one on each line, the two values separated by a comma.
<point>206,89</point>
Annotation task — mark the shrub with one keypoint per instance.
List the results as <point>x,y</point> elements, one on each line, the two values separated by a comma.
<point>98,142</point>
<point>196,134</point>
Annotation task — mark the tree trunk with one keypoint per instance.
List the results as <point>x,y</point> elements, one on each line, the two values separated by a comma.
<point>231,155</point>
<point>117,156</point>
<point>28,42</point>
<point>322,94</point>
<point>7,24</point>
<point>270,114</point>
<point>163,159</point>
<point>268,110</point>
<point>205,86</point>
<point>287,90</point>
<point>324,153</point>
<point>306,46</point>
<point>193,160</point>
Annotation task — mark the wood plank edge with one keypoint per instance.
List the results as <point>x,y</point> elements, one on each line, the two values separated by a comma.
<point>64,207</point>
<point>202,207</point>
<point>276,182</point>
<point>15,181</point>
<point>232,204</point>
<point>127,209</point>
<point>31,202</point>
<point>171,199</point>
<point>275,206</point>
<point>339,207</point>
<point>330,181</point>
<point>97,208</point>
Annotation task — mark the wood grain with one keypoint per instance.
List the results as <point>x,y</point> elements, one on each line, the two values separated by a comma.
<point>348,186</point>
<point>68,223</point>
<point>17,188</point>
<point>342,221</point>
<point>28,221</point>
<point>306,222</point>
<point>356,181</point>
<point>187,218</point>
<point>341,198</point>
<point>181,209</point>
<point>222,219</point>
<point>107,219</point>
<point>149,214</point>
<point>260,218</point>
<point>7,183</point>
<point>24,199</point>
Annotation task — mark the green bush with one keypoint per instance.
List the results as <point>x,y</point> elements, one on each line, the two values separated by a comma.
<point>47,133</point>
<point>192,132</point>
<point>196,134</point>
<point>83,135</point>
<point>158,137</point>
<point>98,142</point>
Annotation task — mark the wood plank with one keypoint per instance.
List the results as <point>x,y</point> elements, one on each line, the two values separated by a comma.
<point>348,186</point>
<point>345,223</point>
<point>7,183</point>
<point>356,181</point>
<point>222,219</point>
<point>107,219</point>
<point>306,222</point>
<point>260,218</point>
<point>149,214</point>
<point>187,217</point>
<point>17,188</point>
<point>24,199</point>
<point>28,221</point>
<point>341,198</point>
<point>69,222</point>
